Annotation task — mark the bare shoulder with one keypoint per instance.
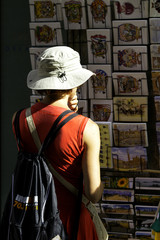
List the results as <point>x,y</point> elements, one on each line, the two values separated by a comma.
<point>91,131</point>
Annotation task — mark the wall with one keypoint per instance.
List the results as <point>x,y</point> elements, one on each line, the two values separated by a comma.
<point>15,64</point>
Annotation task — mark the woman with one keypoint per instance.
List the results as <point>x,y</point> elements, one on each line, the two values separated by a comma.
<point>76,147</point>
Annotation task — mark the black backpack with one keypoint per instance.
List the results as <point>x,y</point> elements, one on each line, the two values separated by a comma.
<point>31,211</point>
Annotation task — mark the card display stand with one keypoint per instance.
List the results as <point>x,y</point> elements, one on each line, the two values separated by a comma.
<point>120,42</point>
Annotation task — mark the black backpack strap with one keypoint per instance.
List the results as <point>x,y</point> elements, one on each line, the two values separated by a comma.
<point>55,128</point>
<point>17,129</point>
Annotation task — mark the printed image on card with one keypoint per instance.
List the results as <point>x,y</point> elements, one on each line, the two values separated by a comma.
<point>131,109</point>
<point>99,13</point>
<point>130,58</point>
<point>130,159</point>
<point>130,32</point>
<point>106,143</point>
<point>117,208</point>
<point>101,110</point>
<point>100,86</point>
<point>45,10</point>
<point>132,134</point>
<point>154,8</point>
<point>74,14</point>
<point>45,33</point>
<point>127,83</point>
<point>130,9</point>
<point>118,195</point>
<point>155,77</point>
<point>155,56</point>
<point>99,46</point>
<point>154,30</point>
<point>117,182</point>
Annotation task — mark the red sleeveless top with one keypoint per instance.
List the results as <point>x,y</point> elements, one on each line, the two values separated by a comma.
<point>65,155</point>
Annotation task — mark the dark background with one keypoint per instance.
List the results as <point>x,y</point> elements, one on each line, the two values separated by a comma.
<point>15,65</point>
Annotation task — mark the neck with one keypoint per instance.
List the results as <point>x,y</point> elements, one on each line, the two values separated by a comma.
<point>63,102</point>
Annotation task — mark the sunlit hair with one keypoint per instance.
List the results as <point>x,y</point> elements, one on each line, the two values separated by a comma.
<point>54,95</point>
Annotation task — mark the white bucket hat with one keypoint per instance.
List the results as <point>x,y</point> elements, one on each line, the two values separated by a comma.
<point>58,68</point>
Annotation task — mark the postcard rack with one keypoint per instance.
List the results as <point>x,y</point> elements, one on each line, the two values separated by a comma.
<point>121,45</point>
<point>129,201</point>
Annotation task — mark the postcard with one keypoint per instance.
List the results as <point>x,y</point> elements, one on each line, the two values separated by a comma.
<point>99,13</point>
<point>128,135</point>
<point>145,210</point>
<point>130,32</point>
<point>45,10</point>
<point>100,86</point>
<point>74,14</point>
<point>147,183</point>
<point>128,83</point>
<point>146,198</point>
<point>154,27</point>
<point>119,236</point>
<point>101,110</point>
<point>117,209</point>
<point>99,46</point>
<point>35,98</point>
<point>106,143</point>
<point>45,34</point>
<point>129,159</point>
<point>117,182</point>
<point>131,9</point>
<point>130,58</point>
<point>83,107</point>
<point>119,225</point>
<point>155,56</point>
<point>130,109</point>
<point>143,223</point>
<point>155,77</point>
<point>157,107</point>
<point>158,132</point>
<point>143,235</point>
<point>154,8</point>
<point>34,54</point>
<point>118,195</point>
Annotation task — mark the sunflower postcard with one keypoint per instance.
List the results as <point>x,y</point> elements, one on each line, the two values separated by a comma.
<point>117,182</point>
<point>129,158</point>
<point>128,135</point>
<point>130,109</point>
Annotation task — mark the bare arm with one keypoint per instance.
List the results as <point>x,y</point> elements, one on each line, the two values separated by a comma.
<point>90,163</point>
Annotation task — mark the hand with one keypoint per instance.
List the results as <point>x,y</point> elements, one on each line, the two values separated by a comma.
<point>73,103</point>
